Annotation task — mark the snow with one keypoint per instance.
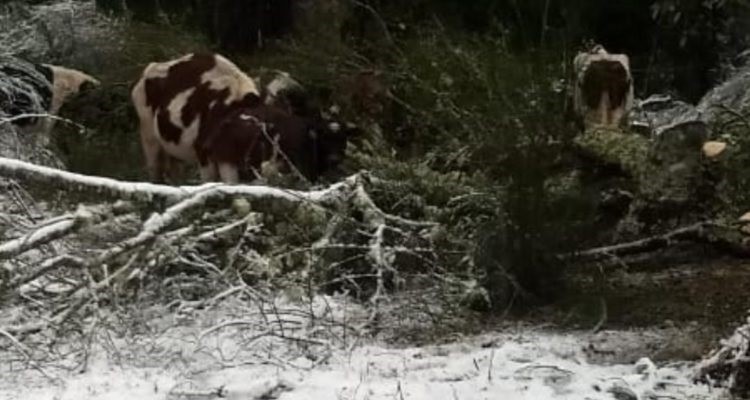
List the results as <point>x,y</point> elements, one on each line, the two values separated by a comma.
<point>204,357</point>
<point>522,366</point>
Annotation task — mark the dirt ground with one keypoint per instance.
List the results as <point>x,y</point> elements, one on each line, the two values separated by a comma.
<point>695,301</point>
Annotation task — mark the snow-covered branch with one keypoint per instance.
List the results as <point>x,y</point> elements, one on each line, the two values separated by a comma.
<point>729,365</point>
<point>146,192</point>
<point>48,232</point>
<point>183,231</point>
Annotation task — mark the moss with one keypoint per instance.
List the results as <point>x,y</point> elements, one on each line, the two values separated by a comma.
<point>613,146</point>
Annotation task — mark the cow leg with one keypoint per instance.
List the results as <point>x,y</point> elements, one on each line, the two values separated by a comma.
<point>208,172</point>
<point>171,167</point>
<point>617,115</point>
<point>602,109</point>
<point>229,173</point>
<point>153,154</point>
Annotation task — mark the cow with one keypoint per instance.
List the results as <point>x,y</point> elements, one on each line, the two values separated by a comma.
<point>368,94</point>
<point>251,141</point>
<point>280,89</point>
<point>603,88</point>
<point>201,108</point>
<point>34,89</point>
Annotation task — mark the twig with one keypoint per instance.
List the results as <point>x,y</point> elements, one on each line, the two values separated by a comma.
<point>602,318</point>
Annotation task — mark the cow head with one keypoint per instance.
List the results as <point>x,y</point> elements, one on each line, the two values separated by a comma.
<point>367,93</point>
<point>331,134</point>
<point>280,89</point>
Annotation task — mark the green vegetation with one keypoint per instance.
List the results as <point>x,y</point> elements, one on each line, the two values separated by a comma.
<point>472,132</point>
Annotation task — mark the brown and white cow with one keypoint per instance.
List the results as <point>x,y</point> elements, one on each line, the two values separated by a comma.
<point>35,89</point>
<point>67,82</point>
<point>603,92</point>
<point>201,108</point>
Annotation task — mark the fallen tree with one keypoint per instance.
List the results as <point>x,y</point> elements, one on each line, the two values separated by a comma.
<point>131,234</point>
<point>712,233</point>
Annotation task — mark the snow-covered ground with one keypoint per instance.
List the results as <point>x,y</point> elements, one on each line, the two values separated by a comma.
<point>230,352</point>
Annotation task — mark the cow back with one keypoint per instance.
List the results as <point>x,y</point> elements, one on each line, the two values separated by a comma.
<point>203,87</point>
<point>609,76</point>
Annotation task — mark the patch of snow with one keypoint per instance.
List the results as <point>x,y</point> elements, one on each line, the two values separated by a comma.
<point>209,354</point>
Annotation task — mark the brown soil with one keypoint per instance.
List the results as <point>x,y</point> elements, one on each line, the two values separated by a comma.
<point>711,294</point>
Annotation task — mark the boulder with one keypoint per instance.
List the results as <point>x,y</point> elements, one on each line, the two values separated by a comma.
<point>70,33</point>
<point>734,94</point>
<point>660,113</point>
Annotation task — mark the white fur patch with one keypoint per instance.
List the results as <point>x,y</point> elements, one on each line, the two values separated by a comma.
<point>161,69</point>
<point>66,82</point>
<point>228,173</point>
<point>176,105</point>
<point>184,149</point>
<point>282,81</point>
<point>226,75</point>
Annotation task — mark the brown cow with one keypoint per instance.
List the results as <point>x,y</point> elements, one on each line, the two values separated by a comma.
<point>202,108</point>
<point>603,93</point>
<point>249,137</point>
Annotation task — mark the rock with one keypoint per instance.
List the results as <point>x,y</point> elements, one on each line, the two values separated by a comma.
<point>70,33</point>
<point>659,113</point>
<point>733,94</point>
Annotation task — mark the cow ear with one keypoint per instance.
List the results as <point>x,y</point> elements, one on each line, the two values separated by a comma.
<point>87,86</point>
